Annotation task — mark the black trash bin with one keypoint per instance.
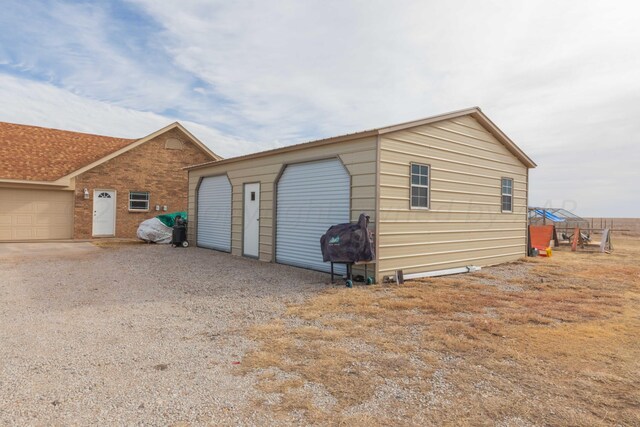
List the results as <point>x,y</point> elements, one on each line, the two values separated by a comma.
<point>179,234</point>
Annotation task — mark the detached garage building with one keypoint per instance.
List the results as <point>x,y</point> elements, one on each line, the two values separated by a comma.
<point>56,184</point>
<point>442,192</point>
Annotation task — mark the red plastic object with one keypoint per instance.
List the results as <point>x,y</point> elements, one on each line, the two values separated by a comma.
<point>540,236</point>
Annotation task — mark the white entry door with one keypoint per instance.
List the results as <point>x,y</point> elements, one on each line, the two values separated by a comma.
<point>104,213</point>
<point>251,220</point>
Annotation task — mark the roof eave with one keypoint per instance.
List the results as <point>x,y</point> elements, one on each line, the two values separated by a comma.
<point>196,141</point>
<point>501,136</point>
<point>428,120</point>
<point>136,143</point>
<point>473,111</point>
<point>60,183</point>
<point>304,145</point>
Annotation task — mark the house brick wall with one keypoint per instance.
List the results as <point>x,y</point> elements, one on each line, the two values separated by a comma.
<point>149,167</point>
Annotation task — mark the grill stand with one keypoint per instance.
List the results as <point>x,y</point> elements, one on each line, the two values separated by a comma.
<point>349,265</point>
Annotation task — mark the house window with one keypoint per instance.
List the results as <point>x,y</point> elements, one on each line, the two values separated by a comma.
<point>138,200</point>
<point>419,186</point>
<point>507,195</point>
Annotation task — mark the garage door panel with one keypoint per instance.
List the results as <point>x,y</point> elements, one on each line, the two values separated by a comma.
<point>50,220</point>
<point>44,233</point>
<point>48,233</point>
<point>24,234</point>
<point>21,207</point>
<point>53,207</point>
<point>311,197</point>
<point>44,208</point>
<point>44,221</point>
<point>214,213</point>
<point>35,214</point>
<point>24,220</point>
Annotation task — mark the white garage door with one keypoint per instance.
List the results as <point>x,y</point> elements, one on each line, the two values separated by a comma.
<point>311,197</point>
<point>214,213</point>
<point>35,214</point>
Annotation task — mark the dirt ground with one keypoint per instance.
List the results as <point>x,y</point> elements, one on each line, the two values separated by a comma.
<point>539,342</point>
<point>149,335</point>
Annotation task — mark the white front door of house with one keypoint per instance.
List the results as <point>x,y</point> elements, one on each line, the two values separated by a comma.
<point>104,213</point>
<point>251,220</point>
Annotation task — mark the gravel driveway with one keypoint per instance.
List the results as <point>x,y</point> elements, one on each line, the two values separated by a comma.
<point>135,335</point>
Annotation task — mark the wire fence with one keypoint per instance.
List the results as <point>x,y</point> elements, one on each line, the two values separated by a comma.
<point>630,225</point>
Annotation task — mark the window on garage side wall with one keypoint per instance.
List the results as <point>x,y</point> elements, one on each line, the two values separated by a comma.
<point>507,195</point>
<point>138,200</point>
<point>420,186</point>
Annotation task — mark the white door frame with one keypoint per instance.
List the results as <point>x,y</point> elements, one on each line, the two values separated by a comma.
<point>95,197</point>
<point>251,220</point>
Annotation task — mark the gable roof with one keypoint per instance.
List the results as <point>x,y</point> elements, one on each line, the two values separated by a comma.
<point>33,153</point>
<point>475,112</point>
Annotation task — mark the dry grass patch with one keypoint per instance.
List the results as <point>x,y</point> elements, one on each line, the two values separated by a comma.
<point>560,348</point>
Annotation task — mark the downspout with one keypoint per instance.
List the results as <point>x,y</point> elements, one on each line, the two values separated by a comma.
<point>377,222</point>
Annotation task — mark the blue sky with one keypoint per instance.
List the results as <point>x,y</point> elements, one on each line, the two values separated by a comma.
<point>560,78</point>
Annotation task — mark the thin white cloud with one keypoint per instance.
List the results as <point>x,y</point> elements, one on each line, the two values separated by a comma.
<point>42,104</point>
<point>560,78</point>
<point>79,47</point>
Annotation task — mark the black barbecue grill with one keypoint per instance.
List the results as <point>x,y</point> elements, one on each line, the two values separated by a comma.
<point>349,244</point>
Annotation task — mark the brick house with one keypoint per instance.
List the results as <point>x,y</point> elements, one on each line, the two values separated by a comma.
<point>56,184</point>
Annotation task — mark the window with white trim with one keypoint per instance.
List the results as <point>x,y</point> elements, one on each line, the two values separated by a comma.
<point>138,200</point>
<point>507,195</point>
<point>419,186</point>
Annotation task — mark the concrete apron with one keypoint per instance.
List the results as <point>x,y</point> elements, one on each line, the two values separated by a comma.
<point>17,251</point>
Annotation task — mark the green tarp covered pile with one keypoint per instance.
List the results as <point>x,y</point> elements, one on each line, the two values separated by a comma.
<point>170,219</point>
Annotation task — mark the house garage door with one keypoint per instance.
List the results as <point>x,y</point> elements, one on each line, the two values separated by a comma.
<point>214,213</point>
<point>35,214</point>
<point>311,197</point>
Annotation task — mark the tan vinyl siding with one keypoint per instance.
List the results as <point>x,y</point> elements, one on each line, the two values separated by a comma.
<point>464,224</point>
<point>358,156</point>
<point>467,155</point>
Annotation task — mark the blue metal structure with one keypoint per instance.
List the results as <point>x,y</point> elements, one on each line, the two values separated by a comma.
<point>549,215</point>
